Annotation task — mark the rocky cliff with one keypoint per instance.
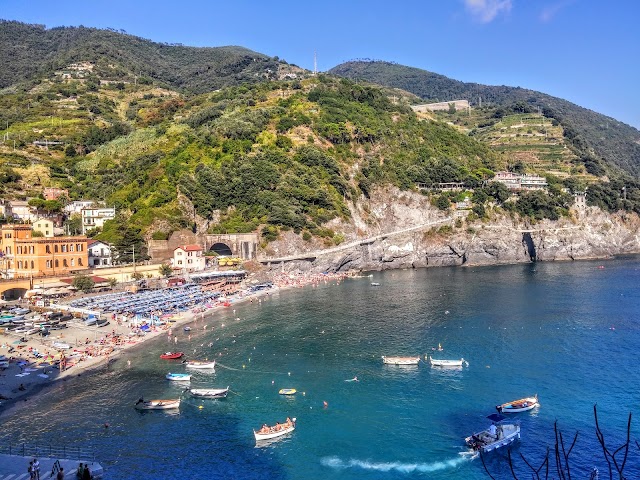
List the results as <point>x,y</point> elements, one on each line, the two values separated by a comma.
<point>503,239</point>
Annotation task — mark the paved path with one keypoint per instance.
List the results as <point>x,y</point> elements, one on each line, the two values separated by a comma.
<point>347,246</point>
<point>14,467</point>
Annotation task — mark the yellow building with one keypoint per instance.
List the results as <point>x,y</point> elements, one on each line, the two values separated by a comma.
<point>43,226</point>
<point>23,256</point>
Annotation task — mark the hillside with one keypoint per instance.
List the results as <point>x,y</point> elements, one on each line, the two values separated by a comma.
<point>31,52</point>
<point>599,140</point>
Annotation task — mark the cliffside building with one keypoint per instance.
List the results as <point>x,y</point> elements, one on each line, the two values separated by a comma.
<point>95,217</point>
<point>189,257</point>
<point>99,254</point>
<point>517,181</point>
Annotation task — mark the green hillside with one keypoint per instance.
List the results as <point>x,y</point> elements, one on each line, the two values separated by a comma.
<point>31,51</point>
<point>599,140</point>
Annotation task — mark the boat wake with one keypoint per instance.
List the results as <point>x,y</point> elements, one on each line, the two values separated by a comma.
<point>339,464</point>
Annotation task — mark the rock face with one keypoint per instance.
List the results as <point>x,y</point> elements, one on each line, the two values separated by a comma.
<point>588,234</point>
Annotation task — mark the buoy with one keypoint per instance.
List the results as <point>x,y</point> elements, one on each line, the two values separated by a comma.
<point>325,404</point>
<point>200,407</point>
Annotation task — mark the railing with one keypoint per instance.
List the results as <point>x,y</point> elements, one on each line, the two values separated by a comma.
<point>48,451</point>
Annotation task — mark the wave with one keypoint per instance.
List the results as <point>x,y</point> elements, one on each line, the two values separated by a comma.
<point>337,463</point>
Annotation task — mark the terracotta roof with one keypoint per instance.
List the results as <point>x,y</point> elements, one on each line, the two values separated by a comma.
<point>190,248</point>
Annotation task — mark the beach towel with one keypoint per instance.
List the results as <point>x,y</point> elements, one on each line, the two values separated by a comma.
<point>43,375</point>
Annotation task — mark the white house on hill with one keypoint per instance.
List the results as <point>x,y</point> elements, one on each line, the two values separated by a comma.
<point>99,254</point>
<point>189,257</point>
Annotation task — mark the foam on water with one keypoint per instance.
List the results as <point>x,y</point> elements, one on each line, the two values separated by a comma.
<point>339,464</point>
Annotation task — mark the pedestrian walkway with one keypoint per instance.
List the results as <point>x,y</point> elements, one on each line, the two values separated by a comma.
<point>14,467</point>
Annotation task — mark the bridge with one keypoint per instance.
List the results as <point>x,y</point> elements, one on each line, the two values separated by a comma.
<point>311,256</point>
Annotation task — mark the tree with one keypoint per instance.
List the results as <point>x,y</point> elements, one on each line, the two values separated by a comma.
<point>137,276</point>
<point>165,270</point>
<point>113,282</point>
<point>74,224</point>
<point>84,283</point>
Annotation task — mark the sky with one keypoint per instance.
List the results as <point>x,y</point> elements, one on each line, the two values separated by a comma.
<point>585,51</point>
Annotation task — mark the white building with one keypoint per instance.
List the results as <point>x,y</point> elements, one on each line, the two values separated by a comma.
<point>95,217</point>
<point>21,210</point>
<point>99,254</point>
<point>44,226</point>
<point>516,181</point>
<point>77,206</point>
<point>189,257</point>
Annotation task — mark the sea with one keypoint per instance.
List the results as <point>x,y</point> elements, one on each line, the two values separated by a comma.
<point>568,332</point>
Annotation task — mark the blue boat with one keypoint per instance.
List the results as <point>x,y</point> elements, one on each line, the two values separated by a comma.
<point>179,377</point>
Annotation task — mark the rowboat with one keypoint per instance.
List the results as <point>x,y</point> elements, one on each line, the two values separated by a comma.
<point>157,404</point>
<point>522,405</point>
<point>209,392</point>
<point>179,377</point>
<point>266,432</point>
<point>446,363</point>
<point>199,364</point>
<point>494,437</point>
<point>400,360</point>
<point>287,391</point>
<point>171,355</point>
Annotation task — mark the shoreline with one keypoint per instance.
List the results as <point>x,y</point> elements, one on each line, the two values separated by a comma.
<point>282,282</point>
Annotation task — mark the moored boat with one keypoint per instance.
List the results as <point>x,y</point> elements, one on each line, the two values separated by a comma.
<point>209,392</point>
<point>178,377</point>
<point>171,355</point>
<point>447,363</point>
<point>167,404</point>
<point>200,364</point>
<point>494,437</point>
<point>279,429</point>
<point>287,391</point>
<point>521,405</point>
<point>400,360</point>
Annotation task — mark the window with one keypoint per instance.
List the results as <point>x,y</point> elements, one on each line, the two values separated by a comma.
<point>32,265</point>
<point>9,250</point>
<point>48,249</point>
<point>71,247</point>
<point>190,261</point>
<point>63,248</point>
<point>64,263</point>
<point>48,263</point>
<point>79,247</point>
<point>32,249</point>
<point>46,232</point>
<point>55,248</point>
<point>57,264</point>
<point>179,262</point>
<point>73,262</point>
<point>79,262</point>
<point>19,264</point>
<point>179,253</point>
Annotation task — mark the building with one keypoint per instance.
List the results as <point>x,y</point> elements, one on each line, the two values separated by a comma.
<point>95,217</point>
<point>77,206</point>
<point>189,257</point>
<point>99,254</point>
<point>51,193</point>
<point>44,226</point>
<point>23,256</point>
<point>516,181</point>
<point>21,210</point>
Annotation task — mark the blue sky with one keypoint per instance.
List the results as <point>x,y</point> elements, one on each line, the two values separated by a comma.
<point>586,51</point>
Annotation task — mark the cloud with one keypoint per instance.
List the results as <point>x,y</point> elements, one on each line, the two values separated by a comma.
<point>485,11</point>
<point>547,13</point>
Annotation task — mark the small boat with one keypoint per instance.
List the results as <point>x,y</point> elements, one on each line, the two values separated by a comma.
<point>400,360</point>
<point>447,363</point>
<point>209,392</point>
<point>178,377</point>
<point>287,391</point>
<point>522,405</point>
<point>157,404</point>
<point>90,321</point>
<point>375,284</point>
<point>102,323</point>
<point>187,329</point>
<point>494,437</point>
<point>199,364</point>
<point>171,355</point>
<point>266,432</point>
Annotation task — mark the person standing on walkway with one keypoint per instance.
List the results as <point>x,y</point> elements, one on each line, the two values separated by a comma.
<point>60,475</point>
<point>30,470</point>
<point>36,469</point>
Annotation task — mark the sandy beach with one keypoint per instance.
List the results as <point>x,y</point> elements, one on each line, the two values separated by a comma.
<point>38,362</point>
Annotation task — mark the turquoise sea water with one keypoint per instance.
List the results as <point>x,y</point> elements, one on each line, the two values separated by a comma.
<point>567,331</point>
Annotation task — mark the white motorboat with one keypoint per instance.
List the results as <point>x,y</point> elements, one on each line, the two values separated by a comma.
<point>494,437</point>
<point>266,432</point>
<point>517,406</point>
<point>447,363</point>
<point>199,364</point>
<point>400,360</point>
<point>157,404</point>
<point>209,392</point>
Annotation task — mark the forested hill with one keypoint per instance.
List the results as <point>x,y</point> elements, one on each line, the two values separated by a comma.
<point>30,52</point>
<point>590,132</point>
